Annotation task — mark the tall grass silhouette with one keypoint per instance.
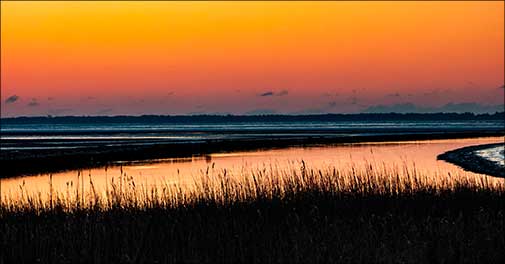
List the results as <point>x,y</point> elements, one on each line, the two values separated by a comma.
<point>374,212</point>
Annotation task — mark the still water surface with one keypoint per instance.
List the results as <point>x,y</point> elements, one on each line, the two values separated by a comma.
<point>421,154</point>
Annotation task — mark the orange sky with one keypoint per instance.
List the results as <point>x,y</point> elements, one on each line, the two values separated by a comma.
<point>76,58</point>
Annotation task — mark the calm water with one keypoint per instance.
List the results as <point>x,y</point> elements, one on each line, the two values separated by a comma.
<point>421,154</point>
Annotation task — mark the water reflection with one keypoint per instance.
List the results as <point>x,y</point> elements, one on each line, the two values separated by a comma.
<point>183,171</point>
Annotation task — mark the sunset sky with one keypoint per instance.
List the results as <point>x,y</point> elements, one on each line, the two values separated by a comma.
<point>110,58</point>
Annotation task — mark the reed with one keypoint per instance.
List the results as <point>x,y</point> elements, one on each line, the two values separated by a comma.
<point>375,212</point>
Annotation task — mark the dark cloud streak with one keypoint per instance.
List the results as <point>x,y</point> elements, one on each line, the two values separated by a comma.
<point>33,103</point>
<point>272,93</point>
<point>396,94</point>
<point>266,94</point>
<point>12,99</point>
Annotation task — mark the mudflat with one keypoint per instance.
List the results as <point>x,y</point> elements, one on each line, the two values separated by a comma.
<point>469,159</point>
<point>14,162</point>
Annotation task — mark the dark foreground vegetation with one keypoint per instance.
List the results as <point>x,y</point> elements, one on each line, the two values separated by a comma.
<point>370,214</point>
<point>463,226</point>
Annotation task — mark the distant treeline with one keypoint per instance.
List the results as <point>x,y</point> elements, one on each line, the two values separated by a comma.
<point>252,118</point>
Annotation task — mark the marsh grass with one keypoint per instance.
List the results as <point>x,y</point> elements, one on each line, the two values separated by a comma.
<point>369,213</point>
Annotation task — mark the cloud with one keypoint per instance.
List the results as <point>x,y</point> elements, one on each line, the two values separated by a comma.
<point>12,99</point>
<point>33,103</point>
<point>448,108</point>
<point>332,104</point>
<point>267,94</point>
<point>330,94</point>
<point>168,95</point>
<point>472,84</point>
<point>261,112</point>
<point>282,93</point>
<point>396,94</point>
<point>272,93</point>
<point>165,97</point>
<point>353,100</point>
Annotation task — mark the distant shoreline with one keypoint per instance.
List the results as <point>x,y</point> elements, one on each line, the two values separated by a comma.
<point>211,118</point>
<point>29,162</point>
<point>467,159</point>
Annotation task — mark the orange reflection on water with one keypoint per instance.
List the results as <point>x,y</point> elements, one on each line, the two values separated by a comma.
<point>418,155</point>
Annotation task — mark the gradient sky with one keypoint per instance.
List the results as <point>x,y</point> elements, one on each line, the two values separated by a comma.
<point>108,58</point>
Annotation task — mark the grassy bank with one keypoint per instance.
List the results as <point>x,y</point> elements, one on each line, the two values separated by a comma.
<point>367,214</point>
